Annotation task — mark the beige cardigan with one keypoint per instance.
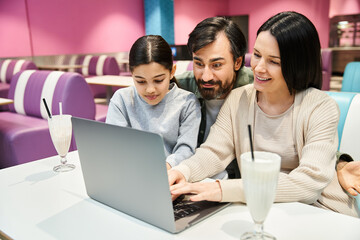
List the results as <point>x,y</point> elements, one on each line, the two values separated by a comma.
<point>313,181</point>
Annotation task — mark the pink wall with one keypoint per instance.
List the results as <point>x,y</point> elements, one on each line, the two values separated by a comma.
<point>68,26</point>
<point>259,11</point>
<point>188,13</point>
<point>344,7</point>
<point>14,34</point>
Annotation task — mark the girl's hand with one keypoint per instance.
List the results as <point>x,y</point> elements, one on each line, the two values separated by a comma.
<point>168,167</point>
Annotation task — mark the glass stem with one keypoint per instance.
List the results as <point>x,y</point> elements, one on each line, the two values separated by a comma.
<point>259,228</point>
<point>63,160</point>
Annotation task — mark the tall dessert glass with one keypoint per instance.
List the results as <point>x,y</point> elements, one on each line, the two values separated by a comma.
<point>260,178</point>
<point>61,130</point>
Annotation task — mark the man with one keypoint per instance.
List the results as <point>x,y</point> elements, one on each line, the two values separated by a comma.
<point>218,48</point>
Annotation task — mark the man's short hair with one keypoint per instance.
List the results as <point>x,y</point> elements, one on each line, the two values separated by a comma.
<point>207,30</point>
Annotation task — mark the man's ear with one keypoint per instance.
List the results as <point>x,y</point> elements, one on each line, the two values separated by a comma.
<point>173,70</point>
<point>238,63</point>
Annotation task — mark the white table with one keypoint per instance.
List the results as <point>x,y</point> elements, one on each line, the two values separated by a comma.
<point>110,81</point>
<point>36,203</point>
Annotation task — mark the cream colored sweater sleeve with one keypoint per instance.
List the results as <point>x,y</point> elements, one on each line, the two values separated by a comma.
<point>316,143</point>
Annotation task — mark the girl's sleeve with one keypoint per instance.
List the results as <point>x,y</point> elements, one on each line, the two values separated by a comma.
<point>188,132</point>
<point>116,114</point>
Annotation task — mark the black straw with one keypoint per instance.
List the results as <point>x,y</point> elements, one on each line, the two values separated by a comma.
<point>47,108</point>
<point>251,143</point>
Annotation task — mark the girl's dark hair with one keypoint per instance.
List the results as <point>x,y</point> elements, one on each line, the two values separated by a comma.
<point>148,49</point>
<point>207,30</point>
<point>300,50</point>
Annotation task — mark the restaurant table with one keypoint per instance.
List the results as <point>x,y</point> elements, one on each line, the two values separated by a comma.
<point>59,67</point>
<point>37,203</point>
<point>110,81</point>
<point>5,101</point>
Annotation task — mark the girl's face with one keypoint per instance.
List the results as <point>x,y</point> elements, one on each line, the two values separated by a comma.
<point>152,81</point>
<point>266,65</point>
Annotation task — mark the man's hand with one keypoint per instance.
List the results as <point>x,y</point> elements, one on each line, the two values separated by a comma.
<point>349,176</point>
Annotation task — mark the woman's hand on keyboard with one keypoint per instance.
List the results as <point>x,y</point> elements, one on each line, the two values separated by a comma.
<point>209,191</point>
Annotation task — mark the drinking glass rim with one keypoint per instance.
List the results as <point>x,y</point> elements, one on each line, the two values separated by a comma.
<point>272,156</point>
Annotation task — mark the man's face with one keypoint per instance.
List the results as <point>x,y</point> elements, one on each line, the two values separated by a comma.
<point>214,68</point>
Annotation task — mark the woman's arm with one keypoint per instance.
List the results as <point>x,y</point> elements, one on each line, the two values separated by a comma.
<point>316,134</point>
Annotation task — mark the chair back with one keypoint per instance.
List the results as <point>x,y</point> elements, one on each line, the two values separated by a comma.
<point>351,79</point>
<point>183,66</point>
<point>349,122</point>
<point>9,67</point>
<point>29,87</point>
<point>247,59</point>
<point>98,65</point>
<point>326,61</point>
<point>348,128</point>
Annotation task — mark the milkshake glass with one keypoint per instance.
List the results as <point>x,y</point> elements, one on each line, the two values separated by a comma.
<point>260,178</point>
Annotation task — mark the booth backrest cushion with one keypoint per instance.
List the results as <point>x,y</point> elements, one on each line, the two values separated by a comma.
<point>9,67</point>
<point>98,65</point>
<point>344,101</point>
<point>326,60</point>
<point>183,66</point>
<point>349,125</point>
<point>247,59</point>
<point>351,79</point>
<point>29,87</point>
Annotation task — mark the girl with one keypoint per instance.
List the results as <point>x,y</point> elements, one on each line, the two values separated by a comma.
<point>156,104</point>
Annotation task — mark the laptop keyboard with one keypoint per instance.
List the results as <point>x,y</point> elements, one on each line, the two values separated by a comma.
<point>184,208</point>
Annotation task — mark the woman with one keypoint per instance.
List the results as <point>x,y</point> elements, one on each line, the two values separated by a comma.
<point>290,116</point>
<point>156,104</point>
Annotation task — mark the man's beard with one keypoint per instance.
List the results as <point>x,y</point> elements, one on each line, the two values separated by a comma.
<point>212,93</point>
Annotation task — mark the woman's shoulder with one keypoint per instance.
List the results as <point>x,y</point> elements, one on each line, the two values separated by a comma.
<point>311,99</point>
<point>246,90</point>
<point>315,95</point>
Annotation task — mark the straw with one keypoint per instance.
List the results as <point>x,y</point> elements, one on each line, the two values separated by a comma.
<point>47,108</point>
<point>60,107</point>
<point>251,143</point>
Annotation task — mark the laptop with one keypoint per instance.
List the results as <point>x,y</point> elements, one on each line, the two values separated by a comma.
<point>125,169</point>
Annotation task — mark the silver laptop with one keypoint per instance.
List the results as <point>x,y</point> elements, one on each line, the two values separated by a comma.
<point>125,169</point>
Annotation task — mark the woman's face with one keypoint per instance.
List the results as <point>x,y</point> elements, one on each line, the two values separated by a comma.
<point>152,81</point>
<point>266,65</point>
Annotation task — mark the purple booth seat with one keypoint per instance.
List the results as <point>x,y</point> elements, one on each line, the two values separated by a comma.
<point>247,59</point>
<point>326,58</point>
<point>24,132</point>
<point>98,66</point>
<point>9,68</point>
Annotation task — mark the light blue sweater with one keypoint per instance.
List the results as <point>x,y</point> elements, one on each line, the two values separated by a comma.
<point>176,118</point>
